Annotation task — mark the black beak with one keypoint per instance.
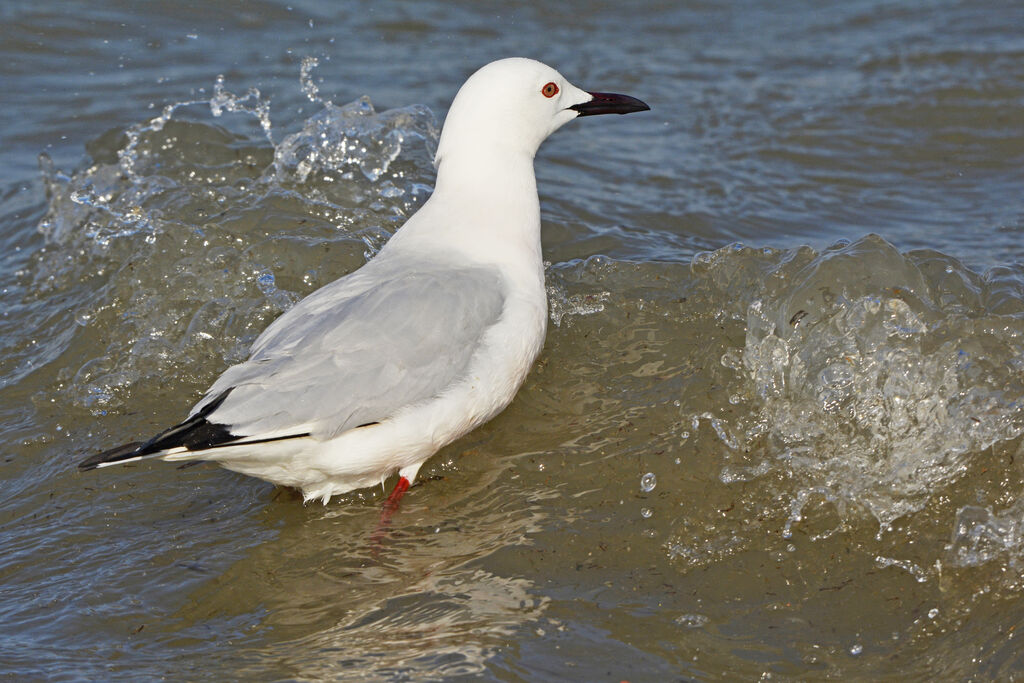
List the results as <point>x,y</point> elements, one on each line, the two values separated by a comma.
<point>609,103</point>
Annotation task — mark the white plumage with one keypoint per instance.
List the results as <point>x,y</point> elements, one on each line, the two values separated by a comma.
<point>376,371</point>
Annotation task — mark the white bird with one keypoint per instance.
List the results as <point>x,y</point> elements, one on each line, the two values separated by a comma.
<point>376,371</point>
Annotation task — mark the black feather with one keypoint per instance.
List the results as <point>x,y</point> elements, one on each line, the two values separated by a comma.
<point>195,434</point>
<point>123,452</point>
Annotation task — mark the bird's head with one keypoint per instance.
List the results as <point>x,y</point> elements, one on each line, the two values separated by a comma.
<point>510,106</point>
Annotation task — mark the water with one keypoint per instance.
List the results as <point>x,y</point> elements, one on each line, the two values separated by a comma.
<point>776,428</point>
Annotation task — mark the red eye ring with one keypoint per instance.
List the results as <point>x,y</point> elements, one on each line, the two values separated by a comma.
<point>549,89</point>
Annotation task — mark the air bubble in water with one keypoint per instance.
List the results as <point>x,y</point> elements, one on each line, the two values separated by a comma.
<point>691,620</point>
<point>648,482</point>
<point>646,513</point>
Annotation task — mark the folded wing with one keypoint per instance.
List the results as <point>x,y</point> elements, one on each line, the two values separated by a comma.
<point>354,355</point>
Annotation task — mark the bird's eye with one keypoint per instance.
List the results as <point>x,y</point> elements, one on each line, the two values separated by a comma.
<point>549,90</point>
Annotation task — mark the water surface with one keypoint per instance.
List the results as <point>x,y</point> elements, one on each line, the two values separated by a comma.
<point>776,427</point>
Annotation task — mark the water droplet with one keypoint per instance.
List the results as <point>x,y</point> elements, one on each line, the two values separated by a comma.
<point>648,482</point>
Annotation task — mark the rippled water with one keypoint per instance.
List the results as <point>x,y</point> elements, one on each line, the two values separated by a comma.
<point>775,431</point>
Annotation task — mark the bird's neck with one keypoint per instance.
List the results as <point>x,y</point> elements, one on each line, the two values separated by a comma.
<point>490,201</point>
<point>501,179</point>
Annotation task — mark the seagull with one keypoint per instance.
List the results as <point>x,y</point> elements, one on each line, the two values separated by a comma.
<point>378,370</point>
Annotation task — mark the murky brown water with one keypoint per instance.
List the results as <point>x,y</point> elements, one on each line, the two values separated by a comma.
<point>795,459</point>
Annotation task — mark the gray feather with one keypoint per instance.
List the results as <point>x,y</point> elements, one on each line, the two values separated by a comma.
<point>349,354</point>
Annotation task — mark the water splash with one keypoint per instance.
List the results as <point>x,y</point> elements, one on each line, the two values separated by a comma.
<point>870,377</point>
<point>562,304</point>
<point>309,88</point>
<point>188,231</point>
<point>353,136</point>
<point>561,277</point>
<point>981,536</point>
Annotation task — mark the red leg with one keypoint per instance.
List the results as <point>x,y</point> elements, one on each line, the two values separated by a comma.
<point>396,495</point>
<point>391,504</point>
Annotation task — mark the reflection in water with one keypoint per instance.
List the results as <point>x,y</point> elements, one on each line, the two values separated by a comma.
<point>413,598</point>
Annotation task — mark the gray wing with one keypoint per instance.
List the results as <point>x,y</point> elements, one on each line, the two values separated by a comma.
<point>339,359</point>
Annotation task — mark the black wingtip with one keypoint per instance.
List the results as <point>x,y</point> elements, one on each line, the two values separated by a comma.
<point>195,433</point>
<point>123,452</point>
